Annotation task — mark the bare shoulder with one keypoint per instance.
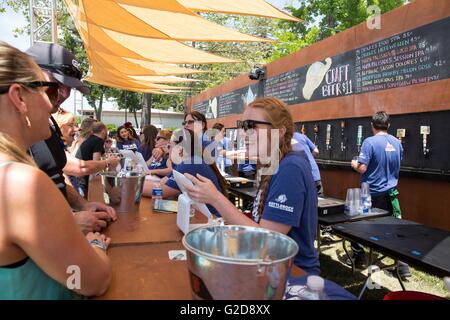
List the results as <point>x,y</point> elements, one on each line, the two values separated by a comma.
<point>22,180</point>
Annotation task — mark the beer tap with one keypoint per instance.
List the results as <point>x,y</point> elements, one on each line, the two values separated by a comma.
<point>425,131</point>
<point>401,133</point>
<point>343,140</point>
<point>316,133</point>
<point>359,138</point>
<point>328,137</point>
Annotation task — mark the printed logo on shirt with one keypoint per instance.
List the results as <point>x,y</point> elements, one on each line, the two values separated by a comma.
<point>281,198</point>
<point>129,146</point>
<point>389,147</point>
<point>279,204</point>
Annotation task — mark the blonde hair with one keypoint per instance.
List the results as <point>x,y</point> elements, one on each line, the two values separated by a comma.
<point>278,115</point>
<point>15,67</point>
<point>10,148</point>
<point>167,134</point>
<point>86,127</point>
<point>63,117</point>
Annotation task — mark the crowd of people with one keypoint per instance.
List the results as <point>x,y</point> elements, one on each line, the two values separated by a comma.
<point>43,150</point>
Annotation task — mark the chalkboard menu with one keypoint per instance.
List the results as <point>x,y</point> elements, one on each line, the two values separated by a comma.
<point>229,103</point>
<point>417,56</point>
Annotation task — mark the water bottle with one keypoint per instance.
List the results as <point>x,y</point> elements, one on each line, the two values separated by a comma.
<point>314,290</point>
<point>366,199</point>
<point>156,194</point>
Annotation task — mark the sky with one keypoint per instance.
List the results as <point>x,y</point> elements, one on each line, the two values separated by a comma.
<point>11,20</point>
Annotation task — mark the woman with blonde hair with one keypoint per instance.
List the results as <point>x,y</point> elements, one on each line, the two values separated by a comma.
<point>75,167</point>
<point>84,132</point>
<point>39,240</point>
<point>286,200</point>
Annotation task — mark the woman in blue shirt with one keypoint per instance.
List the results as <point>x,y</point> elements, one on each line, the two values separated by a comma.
<point>125,141</point>
<point>286,201</point>
<point>163,166</point>
<point>148,144</point>
<point>189,158</point>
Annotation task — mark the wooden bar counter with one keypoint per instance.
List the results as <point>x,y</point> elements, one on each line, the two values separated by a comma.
<point>141,268</point>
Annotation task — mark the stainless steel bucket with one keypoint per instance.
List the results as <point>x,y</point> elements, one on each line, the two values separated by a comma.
<point>238,262</point>
<point>123,193</point>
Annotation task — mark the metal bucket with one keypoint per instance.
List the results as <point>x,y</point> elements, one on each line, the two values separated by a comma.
<point>123,192</point>
<point>238,262</point>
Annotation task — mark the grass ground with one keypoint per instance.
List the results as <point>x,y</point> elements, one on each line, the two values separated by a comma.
<point>333,267</point>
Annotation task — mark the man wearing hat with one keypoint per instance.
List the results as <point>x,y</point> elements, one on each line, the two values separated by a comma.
<point>60,65</point>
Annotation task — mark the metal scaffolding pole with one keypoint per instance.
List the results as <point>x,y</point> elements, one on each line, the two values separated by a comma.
<point>43,21</point>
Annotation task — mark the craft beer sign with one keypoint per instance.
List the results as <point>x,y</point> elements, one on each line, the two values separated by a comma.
<point>417,56</point>
<point>229,103</point>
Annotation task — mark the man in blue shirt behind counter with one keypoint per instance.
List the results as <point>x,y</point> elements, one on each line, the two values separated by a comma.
<point>379,166</point>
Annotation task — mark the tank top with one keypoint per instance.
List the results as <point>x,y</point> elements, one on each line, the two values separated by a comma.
<point>24,280</point>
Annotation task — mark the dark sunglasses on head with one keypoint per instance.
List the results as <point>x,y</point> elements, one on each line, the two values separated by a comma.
<point>250,124</point>
<point>51,91</point>
<point>188,122</point>
<point>64,69</point>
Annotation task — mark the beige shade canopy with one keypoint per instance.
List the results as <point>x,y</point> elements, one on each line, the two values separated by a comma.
<point>157,23</point>
<point>136,67</point>
<point>241,7</point>
<point>134,44</point>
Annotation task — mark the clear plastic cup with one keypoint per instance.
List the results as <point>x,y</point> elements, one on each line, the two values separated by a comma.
<point>357,208</point>
<point>349,201</point>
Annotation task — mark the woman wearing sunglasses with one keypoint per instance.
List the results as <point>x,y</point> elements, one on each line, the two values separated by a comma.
<point>286,201</point>
<point>188,158</point>
<point>39,240</point>
<point>163,166</point>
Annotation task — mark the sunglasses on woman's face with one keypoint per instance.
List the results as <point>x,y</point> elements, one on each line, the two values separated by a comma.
<point>159,138</point>
<point>188,122</point>
<point>51,91</point>
<point>250,124</point>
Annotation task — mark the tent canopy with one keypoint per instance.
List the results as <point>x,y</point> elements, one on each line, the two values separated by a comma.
<point>134,44</point>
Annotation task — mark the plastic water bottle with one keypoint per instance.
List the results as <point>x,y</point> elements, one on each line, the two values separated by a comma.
<point>156,194</point>
<point>314,290</point>
<point>366,199</point>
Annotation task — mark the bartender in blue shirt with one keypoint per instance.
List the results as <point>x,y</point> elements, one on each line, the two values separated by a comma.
<point>379,166</point>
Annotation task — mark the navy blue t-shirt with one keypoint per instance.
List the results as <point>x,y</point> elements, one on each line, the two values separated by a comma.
<point>160,164</point>
<point>291,199</point>
<point>132,145</point>
<point>145,151</point>
<point>381,154</point>
<point>197,165</point>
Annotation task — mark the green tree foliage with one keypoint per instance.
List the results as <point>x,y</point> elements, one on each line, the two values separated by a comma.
<point>321,19</point>
<point>249,53</point>
<point>126,100</point>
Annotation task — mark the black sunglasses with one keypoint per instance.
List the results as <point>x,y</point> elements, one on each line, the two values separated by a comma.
<point>65,69</point>
<point>250,124</point>
<point>51,91</point>
<point>159,138</point>
<point>189,122</point>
